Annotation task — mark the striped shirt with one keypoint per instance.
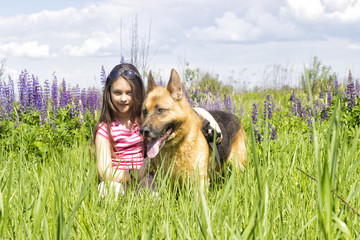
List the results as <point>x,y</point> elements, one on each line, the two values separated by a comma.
<point>127,145</point>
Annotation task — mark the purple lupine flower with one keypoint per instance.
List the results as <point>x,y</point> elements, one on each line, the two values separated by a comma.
<point>54,97</point>
<point>254,114</point>
<point>75,108</point>
<point>300,110</point>
<point>83,101</point>
<point>309,122</point>
<point>43,111</point>
<point>10,95</point>
<point>23,91</point>
<point>202,104</point>
<point>196,92</point>
<point>316,107</point>
<point>321,95</point>
<point>351,92</point>
<point>102,76</point>
<point>217,102</point>
<point>3,101</point>
<point>336,86</point>
<point>324,115</point>
<point>161,83</point>
<point>38,94</point>
<point>329,98</point>
<point>294,103</point>
<point>293,96</point>
<point>268,107</point>
<point>228,103</point>
<point>241,110</point>
<point>30,90</point>
<point>254,121</point>
<point>273,135</point>
<point>63,95</point>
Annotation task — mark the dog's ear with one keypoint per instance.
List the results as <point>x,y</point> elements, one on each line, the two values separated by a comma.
<point>151,83</point>
<point>174,85</point>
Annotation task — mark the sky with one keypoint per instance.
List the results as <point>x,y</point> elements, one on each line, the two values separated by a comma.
<point>246,43</point>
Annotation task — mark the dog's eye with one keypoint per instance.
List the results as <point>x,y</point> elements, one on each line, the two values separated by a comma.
<point>144,112</point>
<point>161,110</point>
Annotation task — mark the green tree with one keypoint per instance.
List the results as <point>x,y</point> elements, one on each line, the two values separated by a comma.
<point>320,77</point>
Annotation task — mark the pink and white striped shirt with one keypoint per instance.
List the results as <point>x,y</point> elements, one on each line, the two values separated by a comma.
<point>128,145</point>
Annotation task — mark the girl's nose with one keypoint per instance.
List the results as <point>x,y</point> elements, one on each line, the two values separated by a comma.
<point>123,97</point>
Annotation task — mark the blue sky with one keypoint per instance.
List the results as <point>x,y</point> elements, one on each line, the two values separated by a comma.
<point>246,40</point>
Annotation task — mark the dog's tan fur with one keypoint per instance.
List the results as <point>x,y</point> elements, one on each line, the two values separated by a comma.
<point>186,152</point>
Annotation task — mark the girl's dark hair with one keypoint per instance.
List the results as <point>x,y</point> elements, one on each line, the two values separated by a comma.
<point>108,110</point>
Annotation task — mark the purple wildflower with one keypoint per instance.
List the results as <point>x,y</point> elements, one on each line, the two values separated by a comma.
<point>228,103</point>
<point>75,108</point>
<point>254,121</point>
<point>321,95</point>
<point>294,103</point>
<point>217,102</point>
<point>43,111</point>
<point>23,91</point>
<point>10,95</point>
<point>103,76</point>
<point>300,110</point>
<point>268,108</point>
<point>273,134</point>
<point>63,95</point>
<point>196,93</point>
<point>325,115</point>
<point>241,110</point>
<point>310,126</point>
<point>3,101</point>
<point>329,98</point>
<point>254,114</point>
<point>83,101</point>
<point>351,92</point>
<point>336,86</point>
<point>54,97</point>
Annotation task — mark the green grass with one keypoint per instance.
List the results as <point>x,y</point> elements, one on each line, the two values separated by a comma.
<point>57,197</point>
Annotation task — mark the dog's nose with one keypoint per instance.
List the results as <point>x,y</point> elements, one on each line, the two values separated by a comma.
<point>144,131</point>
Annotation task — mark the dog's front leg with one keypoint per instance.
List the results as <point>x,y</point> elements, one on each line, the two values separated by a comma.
<point>144,169</point>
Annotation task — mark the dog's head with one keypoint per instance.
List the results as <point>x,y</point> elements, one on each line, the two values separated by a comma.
<point>162,113</point>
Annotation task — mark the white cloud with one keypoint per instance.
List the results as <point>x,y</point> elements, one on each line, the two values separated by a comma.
<point>354,46</point>
<point>228,28</point>
<point>346,11</point>
<point>30,49</point>
<point>90,46</point>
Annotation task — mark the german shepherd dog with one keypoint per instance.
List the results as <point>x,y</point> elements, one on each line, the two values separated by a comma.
<point>175,140</point>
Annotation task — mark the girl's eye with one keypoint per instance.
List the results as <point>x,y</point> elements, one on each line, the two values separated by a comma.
<point>129,93</point>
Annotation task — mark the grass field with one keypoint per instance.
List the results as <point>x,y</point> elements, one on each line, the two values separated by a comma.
<point>57,197</point>
<point>302,184</point>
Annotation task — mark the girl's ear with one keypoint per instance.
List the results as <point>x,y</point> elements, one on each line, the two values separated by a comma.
<point>151,83</point>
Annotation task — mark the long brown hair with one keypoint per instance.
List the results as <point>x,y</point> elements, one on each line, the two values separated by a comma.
<point>108,110</point>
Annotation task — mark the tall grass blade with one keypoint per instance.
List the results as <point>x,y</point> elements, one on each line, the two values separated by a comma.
<point>8,195</point>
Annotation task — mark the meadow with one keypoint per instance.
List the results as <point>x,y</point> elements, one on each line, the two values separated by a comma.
<point>301,180</point>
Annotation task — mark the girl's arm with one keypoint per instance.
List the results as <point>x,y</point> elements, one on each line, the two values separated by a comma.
<point>104,162</point>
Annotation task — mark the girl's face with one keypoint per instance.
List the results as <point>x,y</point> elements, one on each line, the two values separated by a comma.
<point>121,95</point>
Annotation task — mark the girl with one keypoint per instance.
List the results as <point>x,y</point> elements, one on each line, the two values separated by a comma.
<point>118,142</point>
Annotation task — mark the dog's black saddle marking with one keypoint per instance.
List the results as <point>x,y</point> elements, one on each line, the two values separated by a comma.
<point>212,135</point>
